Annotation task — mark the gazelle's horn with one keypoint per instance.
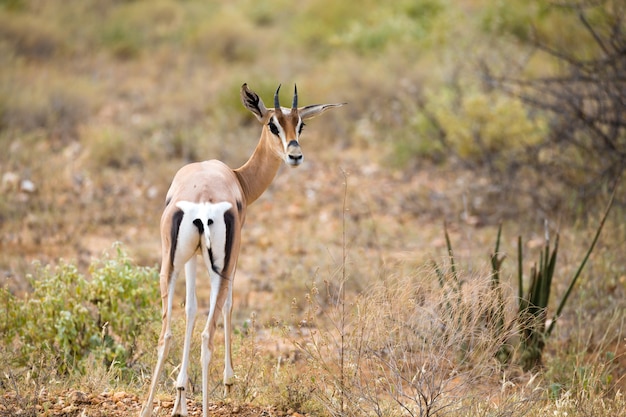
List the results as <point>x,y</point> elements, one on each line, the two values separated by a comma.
<point>294,105</point>
<point>276,101</point>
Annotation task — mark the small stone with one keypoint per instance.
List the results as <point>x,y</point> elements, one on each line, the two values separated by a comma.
<point>152,192</point>
<point>118,396</point>
<point>77,397</point>
<point>10,181</point>
<point>27,186</point>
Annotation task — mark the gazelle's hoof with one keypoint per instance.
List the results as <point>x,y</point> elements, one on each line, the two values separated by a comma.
<point>180,405</point>
<point>146,411</point>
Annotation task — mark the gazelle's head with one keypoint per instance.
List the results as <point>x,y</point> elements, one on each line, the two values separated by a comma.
<point>282,125</point>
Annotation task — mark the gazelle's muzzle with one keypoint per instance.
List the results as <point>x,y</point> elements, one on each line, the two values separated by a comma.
<point>294,155</point>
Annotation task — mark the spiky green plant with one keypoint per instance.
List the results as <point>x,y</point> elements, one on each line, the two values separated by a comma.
<point>533,305</point>
<point>532,312</point>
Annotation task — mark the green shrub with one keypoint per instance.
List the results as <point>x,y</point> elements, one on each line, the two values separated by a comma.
<point>68,316</point>
<point>482,125</point>
<point>364,27</point>
<point>124,296</point>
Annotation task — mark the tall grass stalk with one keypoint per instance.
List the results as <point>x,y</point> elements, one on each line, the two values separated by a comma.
<point>505,351</point>
<point>342,288</point>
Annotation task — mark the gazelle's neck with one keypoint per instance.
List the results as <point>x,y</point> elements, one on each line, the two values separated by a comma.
<point>256,175</point>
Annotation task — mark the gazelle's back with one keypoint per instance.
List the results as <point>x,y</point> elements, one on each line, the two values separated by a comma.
<point>208,182</point>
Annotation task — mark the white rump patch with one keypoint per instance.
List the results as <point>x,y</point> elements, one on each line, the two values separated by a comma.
<point>211,216</point>
<point>206,209</point>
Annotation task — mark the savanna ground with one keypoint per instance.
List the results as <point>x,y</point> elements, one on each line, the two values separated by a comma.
<point>344,296</point>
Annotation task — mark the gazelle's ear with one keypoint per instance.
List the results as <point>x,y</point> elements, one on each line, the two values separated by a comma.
<point>253,102</point>
<point>308,112</point>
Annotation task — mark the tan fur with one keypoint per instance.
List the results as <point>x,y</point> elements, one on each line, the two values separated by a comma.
<point>256,175</point>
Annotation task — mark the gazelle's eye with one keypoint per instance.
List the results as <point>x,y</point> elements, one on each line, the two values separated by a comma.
<point>273,127</point>
<point>300,128</point>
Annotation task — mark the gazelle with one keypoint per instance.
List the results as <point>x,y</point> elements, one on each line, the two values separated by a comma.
<point>205,209</point>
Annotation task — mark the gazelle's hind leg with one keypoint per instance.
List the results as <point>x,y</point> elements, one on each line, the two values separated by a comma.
<point>229,374</point>
<point>218,295</point>
<point>167,296</point>
<point>191,308</point>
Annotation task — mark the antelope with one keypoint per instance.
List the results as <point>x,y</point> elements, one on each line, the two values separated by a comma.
<point>205,209</point>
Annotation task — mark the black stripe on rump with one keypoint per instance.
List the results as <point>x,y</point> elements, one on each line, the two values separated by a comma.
<point>229,221</point>
<point>177,219</point>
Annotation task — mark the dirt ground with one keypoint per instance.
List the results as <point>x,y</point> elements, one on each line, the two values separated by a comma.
<point>119,404</point>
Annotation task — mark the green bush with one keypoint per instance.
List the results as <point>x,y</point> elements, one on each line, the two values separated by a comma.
<point>364,27</point>
<point>68,316</point>
<point>124,296</point>
<point>480,126</point>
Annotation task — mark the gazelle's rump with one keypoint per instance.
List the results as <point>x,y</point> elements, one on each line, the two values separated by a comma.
<point>208,228</point>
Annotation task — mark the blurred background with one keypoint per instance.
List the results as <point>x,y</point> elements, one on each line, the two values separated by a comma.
<point>469,111</point>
